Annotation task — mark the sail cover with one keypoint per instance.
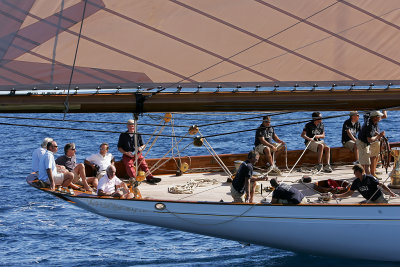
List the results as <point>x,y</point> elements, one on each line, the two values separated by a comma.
<point>188,43</point>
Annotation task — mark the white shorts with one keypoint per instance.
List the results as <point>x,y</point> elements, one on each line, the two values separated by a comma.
<point>364,152</point>
<point>314,145</point>
<point>350,145</point>
<point>375,148</point>
<point>260,147</point>
<point>237,197</point>
<point>58,179</point>
<point>100,174</point>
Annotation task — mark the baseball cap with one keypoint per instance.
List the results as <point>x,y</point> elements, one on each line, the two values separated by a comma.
<point>376,113</point>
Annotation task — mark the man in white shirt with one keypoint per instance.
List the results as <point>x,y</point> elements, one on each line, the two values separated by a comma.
<point>38,153</point>
<point>111,185</point>
<point>100,161</point>
<point>48,169</point>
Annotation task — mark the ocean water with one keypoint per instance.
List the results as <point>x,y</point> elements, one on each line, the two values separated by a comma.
<point>38,229</point>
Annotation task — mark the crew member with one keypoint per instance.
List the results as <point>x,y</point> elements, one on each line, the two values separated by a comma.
<point>240,188</point>
<point>127,146</point>
<point>285,194</point>
<point>264,144</point>
<point>313,132</point>
<point>351,128</point>
<point>368,144</point>
<point>367,185</point>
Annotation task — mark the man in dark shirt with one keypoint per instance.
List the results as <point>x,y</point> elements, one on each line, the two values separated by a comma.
<point>127,146</point>
<point>351,128</point>
<point>264,144</point>
<point>240,188</point>
<point>68,160</point>
<point>368,143</point>
<point>367,185</point>
<point>285,194</point>
<point>313,132</point>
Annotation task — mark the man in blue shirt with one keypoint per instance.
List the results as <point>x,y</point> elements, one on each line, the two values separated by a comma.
<point>48,169</point>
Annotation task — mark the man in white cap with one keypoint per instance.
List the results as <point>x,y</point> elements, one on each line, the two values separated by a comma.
<point>351,128</point>
<point>368,143</point>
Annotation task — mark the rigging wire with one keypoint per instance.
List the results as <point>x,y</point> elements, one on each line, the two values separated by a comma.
<point>84,121</point>
<point>84,130</point>
<point>206,136</point>
<point>66,103</point>
<point>244,119</point>
<point>279,125</point>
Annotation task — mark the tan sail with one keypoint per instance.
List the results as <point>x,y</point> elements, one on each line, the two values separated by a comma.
<point>168,43</point>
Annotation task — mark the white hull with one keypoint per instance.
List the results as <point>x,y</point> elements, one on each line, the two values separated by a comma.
<point>365,232</point>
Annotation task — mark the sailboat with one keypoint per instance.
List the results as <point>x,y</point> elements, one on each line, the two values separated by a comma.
<point>230,56</point>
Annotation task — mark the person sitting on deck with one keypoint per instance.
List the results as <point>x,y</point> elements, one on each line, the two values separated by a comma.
<point>367,185</point>
<point>48,169</point>
<point>111,185</point>
<point>264,145</point>
<point>38,153</point>
<point>368,144</point>
<point>68,160</point>
<point>350,130</point>
<point>286,194</point>
<point>240,188</point>
<point>100,161</point>
<point>313,132</point>
<point>127,146</point>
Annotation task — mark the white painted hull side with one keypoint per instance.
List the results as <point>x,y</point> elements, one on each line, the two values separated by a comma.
<point>364,232</point>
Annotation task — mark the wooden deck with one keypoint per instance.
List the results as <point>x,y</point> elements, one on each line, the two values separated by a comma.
<point>221,190</point>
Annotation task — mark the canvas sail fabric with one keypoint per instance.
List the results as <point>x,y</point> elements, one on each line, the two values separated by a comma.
<point>163,43</point>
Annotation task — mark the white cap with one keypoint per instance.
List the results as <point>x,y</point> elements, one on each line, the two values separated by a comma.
<point>376,113</point>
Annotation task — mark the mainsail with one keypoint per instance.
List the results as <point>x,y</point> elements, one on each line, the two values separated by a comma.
<point>68,44</point>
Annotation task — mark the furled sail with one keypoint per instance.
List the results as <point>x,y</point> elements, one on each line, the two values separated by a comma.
<point>164,43</point>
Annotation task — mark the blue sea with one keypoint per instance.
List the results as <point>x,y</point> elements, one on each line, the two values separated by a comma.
<point>38,229</point>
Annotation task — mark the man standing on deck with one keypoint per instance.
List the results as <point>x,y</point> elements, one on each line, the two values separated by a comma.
<point>127,146</point>
<point>313,132</point>
<point>351,128</point>
<point>367,185</point>
<point>240,188</point>
<point>368,144</point>
<point>264,145</point>
<point>68,160</point>
<point>48,169</point>
<point>38,153</point>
